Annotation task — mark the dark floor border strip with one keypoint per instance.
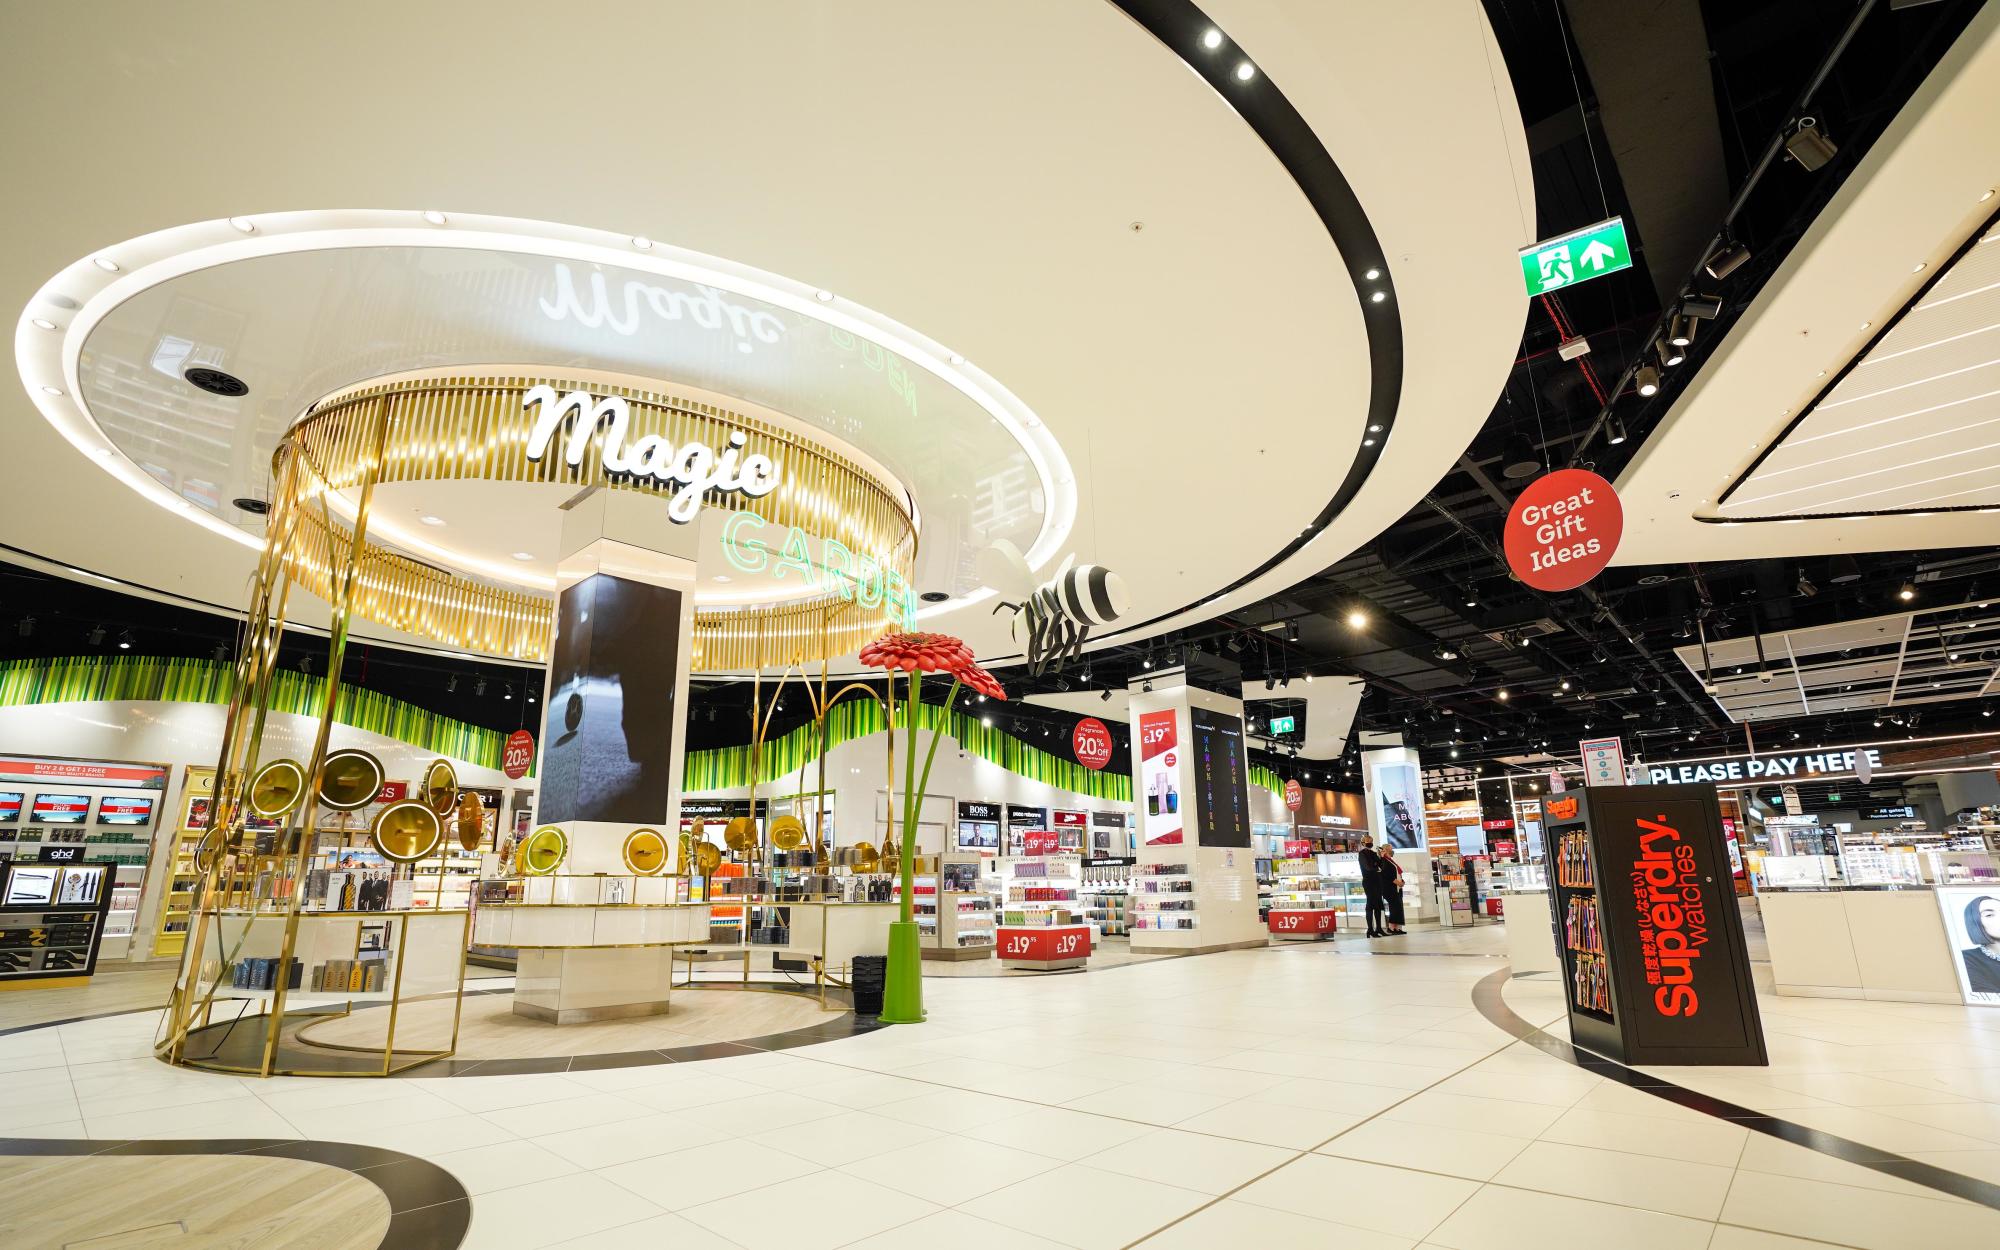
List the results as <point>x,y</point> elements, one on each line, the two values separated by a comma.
<point>1489,999</point>
<point>428,1207</point>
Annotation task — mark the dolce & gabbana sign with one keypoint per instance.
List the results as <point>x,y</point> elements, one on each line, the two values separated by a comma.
<point>1764,767</point>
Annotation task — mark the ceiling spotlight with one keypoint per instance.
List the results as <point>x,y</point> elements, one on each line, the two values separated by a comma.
<point>434,217</point>
<point>1245,71</point>
<point>1647,380</point>
<point>1680,332</point>
<point>1565,683</point>
<point>1372,274</point>
<point>431,520</point>
<point>451,684</point>
<point>1444,652</point>
<point>1614,430</point>
<point>1805,588</point>
<point>125,640</point>
<point>1147,687</point>
<point>1520,458</point>
<point>97,636</point>
<point>1907,592</point>
<point>524,555</point>
<point>957,359</point>
<point>509,694</point>
<point>1502,695</point>
<point>1672,354</point>
<point>26,627</point>
<point>52,390</point>
<point>1106,694</point>
<point>243,224</point>
<point>1809,146</point>
<point>1357,619</point>
<point>1725,260</point>
<point>986,722</point>
<point>1211,38</point>
<point>479,687</point>
<point>1700,308</point>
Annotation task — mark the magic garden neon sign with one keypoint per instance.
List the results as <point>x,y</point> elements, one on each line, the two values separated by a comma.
<point>821,564</point>
<point>693,469</point>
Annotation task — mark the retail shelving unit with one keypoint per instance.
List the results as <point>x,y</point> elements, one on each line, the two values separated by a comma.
<point>1041,919</point>
<point>1305,906</point>
<point>1107,896</point>
<point>52,918</point>
<point>955,917</point>
<point>1163,898</point>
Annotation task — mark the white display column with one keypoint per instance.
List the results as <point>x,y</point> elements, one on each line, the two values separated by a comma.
<point>613,743</point>
<point>1194,888</point>
<point>1394,780</point>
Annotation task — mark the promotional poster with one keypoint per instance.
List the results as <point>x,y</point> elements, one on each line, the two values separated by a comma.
<point>1223,817</point>
<point>1972,928</point>
<point>1399,797</point>
<point>608,745</point>
<point>1159,767</point>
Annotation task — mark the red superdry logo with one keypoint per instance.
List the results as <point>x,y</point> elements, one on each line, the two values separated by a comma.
<point>1673,915</point>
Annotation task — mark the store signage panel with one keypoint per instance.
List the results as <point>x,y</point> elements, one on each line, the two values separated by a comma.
<point>1221,777</point>
<point>1301,921</point>
<point>1293,796</point>
<point>1752,768</point>
<point>1070,820</point>
<point>1040,842</point>
<point>821,565</point>
<point>1019,817</point>
<point>1091,740</point>
<point>1603,761</point>
<point>1321,810</point>
<point>1563,529</point>
<point>60,809</point>
<point>1972,929</point>
<point>1578,256</point>
<point>518,753</point>
<point>1904,812</point>
<point>70,854</point>
<point>692,469</point>
<point>10,806</point>
<point>1056,942</point>
<point>1159,761</point>
<point>970,811</point>
<point>90,772</point>
<point>1282,724</point>
<point>124,809</point>
<point>1108,820</point>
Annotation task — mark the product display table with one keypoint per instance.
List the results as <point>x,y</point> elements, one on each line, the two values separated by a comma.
<point>1531,936</point>
<point>1880,944</point>
<point>1302,925</point>
<point>1045,948</point>
<point>581,961</point>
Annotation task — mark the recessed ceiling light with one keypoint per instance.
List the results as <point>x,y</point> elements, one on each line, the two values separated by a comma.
<point>434,217</point>
<point>1212,38</point>
<point>105,263</point>
<point>1374,429</point>
<point>244,224</point>
<point>52,390</point>
<point>1919,268</point>
<point>957,359</point>
<point>1372,274</point>
<point>641,242</point>
<point>1987,196</point>
<point>1357,619</point>
<point>823,297</point>
<point>1378,297</point>
<point>524,555</point>
<point>1245,72</point>
<point>1866,324</point>
<point>1367,442</point>
<point>431,520</point>
<point>721,577</point>
<point>42,323</point>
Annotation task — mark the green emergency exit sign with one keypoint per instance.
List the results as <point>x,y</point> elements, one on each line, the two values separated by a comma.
<point>1576,257</point>
<point>1281,725</point>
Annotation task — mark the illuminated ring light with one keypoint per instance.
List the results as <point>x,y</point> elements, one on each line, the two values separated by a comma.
<point>407,831</point>
<point>543,852</point>
<point>277,788</point>
<point>441,786</point>
<point>477,427</point>
<point>349,780</point>
<point>645,852</point>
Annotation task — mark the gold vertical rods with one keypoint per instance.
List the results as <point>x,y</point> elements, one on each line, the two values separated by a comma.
<point>819,814</point>
<point>396,999</point>
<point>316,770</point>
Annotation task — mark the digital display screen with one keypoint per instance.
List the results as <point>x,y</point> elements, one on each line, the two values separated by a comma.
<point>61,809</point>
<point>10,807</point>
<point>1223,818</point>
<point>124,810</point>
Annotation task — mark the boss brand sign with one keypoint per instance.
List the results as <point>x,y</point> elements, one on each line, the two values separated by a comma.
<point>693,469</point>
<point>1563,530</point>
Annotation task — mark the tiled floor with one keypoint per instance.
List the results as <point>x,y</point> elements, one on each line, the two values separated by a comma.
<point>1318,1095</point>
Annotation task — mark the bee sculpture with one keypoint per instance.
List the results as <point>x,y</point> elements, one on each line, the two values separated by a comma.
<point>1057,615</point>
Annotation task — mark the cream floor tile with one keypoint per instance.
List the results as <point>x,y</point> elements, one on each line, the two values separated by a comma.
<point>621,1141</point>
<point>1428,1148</point>
<point>431,1137</point>
<point>659,1230</point>
<point>1730,1237</point>
<point>1150,1104</point>
<point>244,1116</point>
<point>954,1230</point>
<point>765,1111</point>
<point>1381,1199</point>
<point>950,1169</point>
<point>414,1107</point>
<point>562,1208</point>
<point>1058,1133</point>
<point>1691,1136</point>
<point>66,1129</point>
<point>1342,1096</point>
<point>1870,1218</point>
<point>688,1178</point>
<point>1499,1218</point>
<point>1227,1082</point>
<point>1672,1186</point>
<point>815,1212</point>
<point>1883,1132</point>
<point>31,1105</point>
<point>1211,1165</point>
<point>695,1090</point>
<point>1526,1120</point>
<point>1270,1123</point>
<point>1231,1223</point>
<point>952,1111</point>
<point>1969,1119</point>
<point>1982,1164</point>
<point>569,1113</point>
<point>861,1091</point>
<point>499,1093</point>
<point>1551,1091</point>
<point>1092,1209</point>
<point>844,1138</point>
<point>1853,1089</point>
<point>483,1169</point>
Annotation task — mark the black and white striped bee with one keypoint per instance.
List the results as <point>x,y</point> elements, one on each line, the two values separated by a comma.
<point>1059,614</point>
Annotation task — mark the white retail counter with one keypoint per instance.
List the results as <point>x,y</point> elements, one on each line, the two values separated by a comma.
<point>1531,941</point>
<point>1880,944</point>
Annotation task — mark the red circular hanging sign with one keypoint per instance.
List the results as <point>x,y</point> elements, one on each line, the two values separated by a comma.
<point>517,754</point>
<point>1293,795</point>
<point>1092,742</point>
<point>1563,530</point>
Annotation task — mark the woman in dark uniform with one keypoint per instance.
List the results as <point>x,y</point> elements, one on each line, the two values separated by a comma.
<point>1371,885</point>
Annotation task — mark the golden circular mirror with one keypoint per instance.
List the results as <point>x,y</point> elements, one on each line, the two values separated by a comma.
<point>740,834</point>
<point>350,780</point>
<point>471,821</point>
<point>544,851</point>
<point>204,850</point>
<point>406,831</point>
<point>645,852</point>
<point>707,857</point>
<point>440,786</point>
<point>277,788</point>
<point>788,833</point>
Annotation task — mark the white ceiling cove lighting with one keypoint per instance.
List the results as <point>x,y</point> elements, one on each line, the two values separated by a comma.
<point>434,217</point>
<point>243,225</point>
<point>431,520</point>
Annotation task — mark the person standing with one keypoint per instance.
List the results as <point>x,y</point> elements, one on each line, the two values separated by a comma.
<point>1392,892</point>
<point>1371,887</point>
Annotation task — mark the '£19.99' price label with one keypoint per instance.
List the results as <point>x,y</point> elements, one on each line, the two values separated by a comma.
<point>1044,944</point>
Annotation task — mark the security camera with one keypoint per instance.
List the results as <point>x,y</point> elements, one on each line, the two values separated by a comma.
<point>1764,678</point>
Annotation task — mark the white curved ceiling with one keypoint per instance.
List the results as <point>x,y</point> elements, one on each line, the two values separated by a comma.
<point>973,171</point>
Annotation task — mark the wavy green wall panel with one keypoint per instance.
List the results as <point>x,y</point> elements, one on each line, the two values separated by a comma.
<point>1267,778</point>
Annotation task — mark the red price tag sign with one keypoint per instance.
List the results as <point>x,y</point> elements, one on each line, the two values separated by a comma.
<point>1044,944</point>
<point>1092,742</point>
<point>1563,530</point>
<point>1301,922</point>
<point>1039,841</point>
<point>1297,848</point>
<point>518,754</point>
<point>1294,796</point>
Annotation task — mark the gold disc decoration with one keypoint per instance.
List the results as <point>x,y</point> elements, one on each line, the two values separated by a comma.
<point>741,834</point>
<point>788,833</point>
<point>277,788</point>
<point>407,831</point>
<point>645,852</point>
<point>471,821</point>
<point>350,780</point>
<point>865,857</point>
<point>204,850</point>
<point>544,851</point>
<point>707,857</point>
<point>440,786</point>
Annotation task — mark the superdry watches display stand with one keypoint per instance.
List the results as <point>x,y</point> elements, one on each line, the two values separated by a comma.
<point>1646,924</point>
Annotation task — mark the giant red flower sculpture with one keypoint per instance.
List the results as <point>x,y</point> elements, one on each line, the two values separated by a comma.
<point>931,653</point>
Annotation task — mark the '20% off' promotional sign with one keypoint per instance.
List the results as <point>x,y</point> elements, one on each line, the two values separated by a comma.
<point>1563,530</point>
